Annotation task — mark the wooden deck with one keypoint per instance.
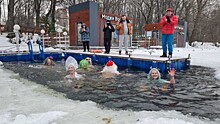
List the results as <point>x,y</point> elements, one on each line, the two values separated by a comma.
<point>131,56</point>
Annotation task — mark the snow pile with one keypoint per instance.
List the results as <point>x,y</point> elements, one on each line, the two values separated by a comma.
<point>170,117</point>
<point>7,47</point>
<point>39,118</point>
<point>1,64</point>
<point>51,49</point>
<point>203,45</point>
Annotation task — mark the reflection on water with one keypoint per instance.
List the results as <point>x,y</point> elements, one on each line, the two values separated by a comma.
<point>196,93</point>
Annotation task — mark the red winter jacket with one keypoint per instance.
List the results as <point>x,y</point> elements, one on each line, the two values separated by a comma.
<point>168,28</point>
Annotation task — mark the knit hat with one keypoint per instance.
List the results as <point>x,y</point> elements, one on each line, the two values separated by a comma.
<point>111,67</point>
<point>109,63</point>
<point>89,60</point>
<point>83,64</point>
<point>169,9</point>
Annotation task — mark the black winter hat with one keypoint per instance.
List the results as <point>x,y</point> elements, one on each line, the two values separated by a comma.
<point>108,21</point>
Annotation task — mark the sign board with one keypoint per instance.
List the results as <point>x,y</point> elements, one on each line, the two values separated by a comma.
<point>111,18</point>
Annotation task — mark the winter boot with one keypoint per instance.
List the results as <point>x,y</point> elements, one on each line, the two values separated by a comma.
<point>170,55</point>
<point>126,52</point>
<point>164,55</point>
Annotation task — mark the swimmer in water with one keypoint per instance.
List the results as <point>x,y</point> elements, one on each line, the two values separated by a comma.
<point>49,61</point>
<point>158,84</point>
<point>71,66</point>
<point>110,70</point>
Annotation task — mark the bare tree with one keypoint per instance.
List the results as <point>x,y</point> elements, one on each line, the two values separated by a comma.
<point>49,18</point>
<point>196,12</point>
<point>200,5</point>
<point>37,7</point>
<point>53,20</point>
<point>10,22</point>
<point>67,3</point>
<point>0,8</point>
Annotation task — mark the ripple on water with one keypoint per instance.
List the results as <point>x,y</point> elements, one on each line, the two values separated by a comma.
<point>197,91</point>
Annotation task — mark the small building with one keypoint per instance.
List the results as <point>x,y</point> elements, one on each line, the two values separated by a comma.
<point>89,14</point>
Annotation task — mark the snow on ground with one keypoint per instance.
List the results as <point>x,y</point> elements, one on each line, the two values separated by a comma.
<point>24,102</point>
<point>7,47</point>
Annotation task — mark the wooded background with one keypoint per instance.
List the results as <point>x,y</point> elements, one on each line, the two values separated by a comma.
<point>203,16</point>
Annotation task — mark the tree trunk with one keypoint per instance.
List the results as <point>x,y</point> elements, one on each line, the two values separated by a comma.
<point>193,36</point>
<point>37,4</point>
<point>0,9</point>
<point>158,11</point>
<point>10,22</point>
<point>200,6</point>
<point>53,20</point>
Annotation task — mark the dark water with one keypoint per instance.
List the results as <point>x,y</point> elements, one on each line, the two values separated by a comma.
<point>196,91</point>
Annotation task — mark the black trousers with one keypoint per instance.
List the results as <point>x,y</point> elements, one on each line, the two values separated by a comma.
<point>86,43</point>
<point>107,44</point>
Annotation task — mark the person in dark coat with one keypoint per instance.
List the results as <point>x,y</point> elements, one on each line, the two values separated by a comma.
<point>84,31</point>
<point>108,29</point>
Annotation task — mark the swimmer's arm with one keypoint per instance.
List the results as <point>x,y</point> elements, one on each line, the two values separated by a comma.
<point>171,73</point>
<point>171,86</point>
<point>172,80</point>
<point>118,73</point>
<point>91,66</point>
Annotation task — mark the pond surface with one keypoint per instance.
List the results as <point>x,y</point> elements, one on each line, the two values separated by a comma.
<point>197,92</point>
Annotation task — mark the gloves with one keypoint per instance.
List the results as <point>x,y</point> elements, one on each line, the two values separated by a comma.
<point>168,19</point>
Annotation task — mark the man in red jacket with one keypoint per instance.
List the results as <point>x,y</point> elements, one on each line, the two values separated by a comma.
<point>168,23</point>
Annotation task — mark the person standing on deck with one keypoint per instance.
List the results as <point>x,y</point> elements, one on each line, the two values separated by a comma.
<point>168,23</point>
<point>84,31</point>
<point>124,30</point>
<point>108,29</point>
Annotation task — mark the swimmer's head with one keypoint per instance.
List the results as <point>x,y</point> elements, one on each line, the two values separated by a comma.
<point>154,74</point>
